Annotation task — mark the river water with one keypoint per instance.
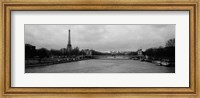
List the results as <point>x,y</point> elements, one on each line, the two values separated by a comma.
<point>102,66</point>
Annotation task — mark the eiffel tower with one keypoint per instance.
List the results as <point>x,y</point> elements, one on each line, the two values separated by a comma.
<point>69,46</point>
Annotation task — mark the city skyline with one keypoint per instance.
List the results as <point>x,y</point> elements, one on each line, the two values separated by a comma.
<point>99,37</point>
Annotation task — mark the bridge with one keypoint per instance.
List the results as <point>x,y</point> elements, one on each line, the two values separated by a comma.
<point>112,57</point>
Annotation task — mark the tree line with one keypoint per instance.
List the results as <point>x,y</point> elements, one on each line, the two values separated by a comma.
<point>167,52</point>
<point>31,52</point>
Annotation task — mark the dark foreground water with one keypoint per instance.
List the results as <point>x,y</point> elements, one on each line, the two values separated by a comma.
<point>102,66</point>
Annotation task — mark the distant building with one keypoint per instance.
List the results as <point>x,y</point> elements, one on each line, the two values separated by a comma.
<point>140,52</point>
<point>69,46</point>
<point>113,52</point>
<point>88,52</point>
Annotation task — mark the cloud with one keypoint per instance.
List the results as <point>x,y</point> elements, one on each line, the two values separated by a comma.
<point>100,37</point>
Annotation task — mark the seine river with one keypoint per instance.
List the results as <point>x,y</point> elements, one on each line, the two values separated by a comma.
<point>102,66</point>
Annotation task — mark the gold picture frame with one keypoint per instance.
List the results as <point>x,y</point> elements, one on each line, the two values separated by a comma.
<point>87,5</point>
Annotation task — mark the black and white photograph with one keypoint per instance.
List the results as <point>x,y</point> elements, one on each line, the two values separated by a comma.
<point>99,48</point>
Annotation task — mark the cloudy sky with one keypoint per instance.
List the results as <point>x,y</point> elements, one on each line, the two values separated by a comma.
<point>99,37</point>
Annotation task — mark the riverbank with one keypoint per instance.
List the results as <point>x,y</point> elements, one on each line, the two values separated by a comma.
<point>35,62</point>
